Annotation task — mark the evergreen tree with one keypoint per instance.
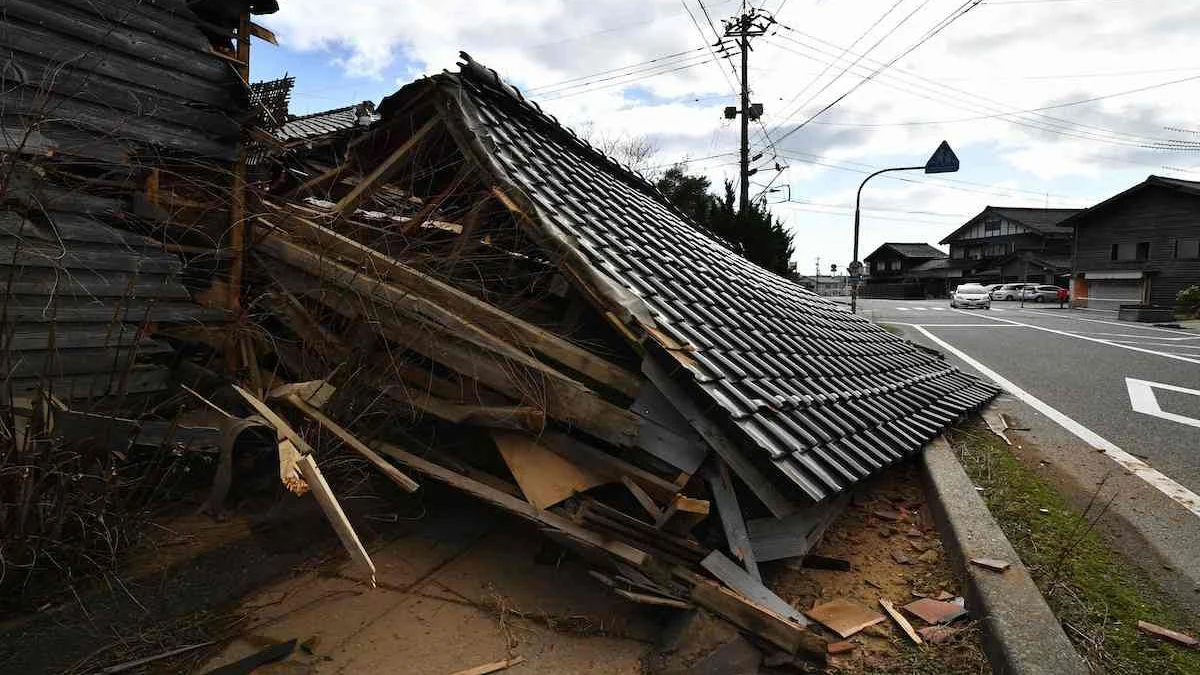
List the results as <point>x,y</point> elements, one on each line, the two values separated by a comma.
<point>758,236</point>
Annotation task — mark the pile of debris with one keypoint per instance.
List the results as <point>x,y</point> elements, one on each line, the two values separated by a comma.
<point>467,290</point>
<point>458,289</point>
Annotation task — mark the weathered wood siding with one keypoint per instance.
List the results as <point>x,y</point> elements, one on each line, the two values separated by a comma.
<point>94,96</point>
<point>1157,215</point>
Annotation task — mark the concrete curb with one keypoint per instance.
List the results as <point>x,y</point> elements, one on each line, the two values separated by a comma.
<point>1020,634</point>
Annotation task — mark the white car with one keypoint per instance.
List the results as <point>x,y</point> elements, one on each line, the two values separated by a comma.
<point>971,295</point>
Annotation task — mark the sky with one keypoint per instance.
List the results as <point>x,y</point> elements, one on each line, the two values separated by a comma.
<point>1057,103</point>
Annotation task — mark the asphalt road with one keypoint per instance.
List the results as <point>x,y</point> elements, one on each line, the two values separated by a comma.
<point>1101,398</point>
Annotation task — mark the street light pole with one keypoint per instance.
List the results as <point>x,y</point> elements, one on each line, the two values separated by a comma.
<point>943,160</point>
<point>857,219</point>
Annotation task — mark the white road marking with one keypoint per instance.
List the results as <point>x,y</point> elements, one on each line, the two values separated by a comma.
<point>962,325</point>
<point>921,309</point>
<point>997,309</point>
<point>1143,400</point>
<point>1123,324</point>
<point>939,309</point>
<point>902,309</point>
<point>1183,496</point>
<point>1089,338</point>
<point>1152,337</point>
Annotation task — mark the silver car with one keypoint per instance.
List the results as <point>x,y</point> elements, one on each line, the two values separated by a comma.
<point>1009,291</point>
<point>1040,293</point>
<point>971,295</point>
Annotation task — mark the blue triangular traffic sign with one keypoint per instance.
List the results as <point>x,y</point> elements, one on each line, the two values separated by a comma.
<point>943,160</point>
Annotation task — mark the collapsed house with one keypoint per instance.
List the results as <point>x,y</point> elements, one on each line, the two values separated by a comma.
<point>454,286</point>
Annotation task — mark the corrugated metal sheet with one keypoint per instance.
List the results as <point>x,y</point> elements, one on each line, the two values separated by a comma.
<point>824,395</point>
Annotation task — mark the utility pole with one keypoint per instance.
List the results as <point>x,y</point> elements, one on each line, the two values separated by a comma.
<point>749,23</point>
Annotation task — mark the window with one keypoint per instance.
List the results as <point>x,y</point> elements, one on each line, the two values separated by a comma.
<point>991,225</point>
<point>1125,252</point>
<point>1187,249</point>
<point>894,265</point>
<point>956,252</point>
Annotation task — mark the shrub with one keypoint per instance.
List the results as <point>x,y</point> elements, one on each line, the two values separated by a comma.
<point>1189,300</point>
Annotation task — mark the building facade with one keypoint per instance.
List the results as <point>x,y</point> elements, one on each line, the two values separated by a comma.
<point>1003,244</point>
<point>1141,246</point>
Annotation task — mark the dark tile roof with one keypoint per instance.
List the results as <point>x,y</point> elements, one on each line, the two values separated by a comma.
<point>324,123</point>
<point>825,396</point>
<point>1046,221</point>
<point>910,250</point>
<point>1186,186</point>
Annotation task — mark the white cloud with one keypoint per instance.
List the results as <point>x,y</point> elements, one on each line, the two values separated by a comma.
<point>997,59</point>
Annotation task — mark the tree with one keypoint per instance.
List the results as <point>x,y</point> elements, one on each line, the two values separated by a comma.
<point>757,236</point>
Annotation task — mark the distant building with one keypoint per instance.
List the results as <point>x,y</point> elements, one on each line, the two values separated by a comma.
<point>889,270</point>
<point>1141,246</point>
<point>826,285</point>
<point>1004,244</point>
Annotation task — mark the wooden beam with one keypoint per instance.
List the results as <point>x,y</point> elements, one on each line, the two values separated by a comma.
<point>750,616</point>
<point>614,467</point>
<point>736,578</point>
<point>682,514</point>
<point>501,323</point>
<point>900,620</point>
<point>384,171</point>
<point>281,426</point>
<point>263,33</point>
<point>513,417</point>
<point>642,498</point>
<point>326,176</point>
<point>337,517</point>
<point>759,484</point>
<point>358,446</point>
<point>654,600</point>
<point>578,535</point>
<point>730,513</point>
<point>521,378</point>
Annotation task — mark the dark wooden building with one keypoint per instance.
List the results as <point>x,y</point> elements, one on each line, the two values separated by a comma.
<point>1004,244</point>
<point>1141,246</point>
<point>889,270</point>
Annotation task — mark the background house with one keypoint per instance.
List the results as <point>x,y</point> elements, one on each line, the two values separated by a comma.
<point>1141,246</point>
<point>1004,244</point>
<point>889,270</point>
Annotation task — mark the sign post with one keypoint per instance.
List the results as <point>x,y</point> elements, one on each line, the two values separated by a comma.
<point>943,160</point>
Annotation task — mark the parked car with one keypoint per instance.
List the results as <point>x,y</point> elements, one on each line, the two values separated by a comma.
<point>1008,291</point>
<point>992,287</point>
<point>971,295</point>
<point>1041,293</point>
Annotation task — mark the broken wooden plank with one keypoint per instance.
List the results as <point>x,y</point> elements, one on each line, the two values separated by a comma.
<point>504,325</point>
<point>751,617</point>
<point>284,429</point>
<point>655,600</point>
<point>544,477</point>
<point>384,170</point>
<point>617,549</point>
<point>492,667</point>
<point>1178,638</point>
<point>900,621</point>
<point>601,462</point>
<point>337,517</point>
<point>358,446</point>
<point>739,580</point>
<point>314,392</point>
<point>516,417</point>
<point>682,514</point>
<point>642,498</point>
<point>263,33</point>
<point>766,491</point>
<point>795,535</point>
<point>736,535</point>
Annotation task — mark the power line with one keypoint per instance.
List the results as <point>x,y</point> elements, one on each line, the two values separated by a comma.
<point>846,50</point>
<point>944,24</point>
<point>622,80</point>
<point>631,66</point>
<point>1044,123</point>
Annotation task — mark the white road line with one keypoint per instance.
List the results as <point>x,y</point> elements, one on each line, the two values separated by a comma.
<point>1123,324</point>
<point>1152,337</point>
<point>938,309</point>
<point>1183,496</point>
<point>902,309</point>
<point>1093,339</point>
<point>963,325</point>
<point>997,309</point>
<point>921,309</point>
